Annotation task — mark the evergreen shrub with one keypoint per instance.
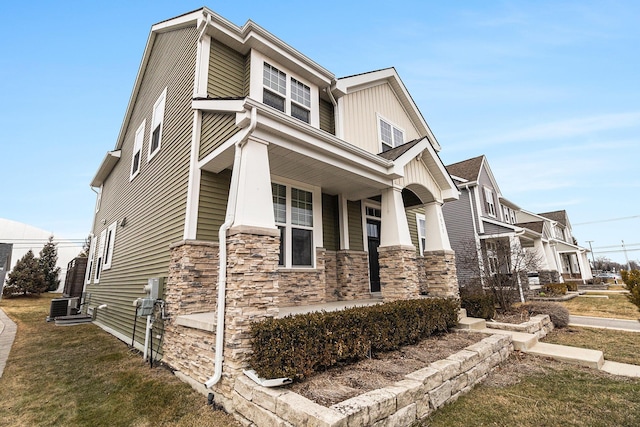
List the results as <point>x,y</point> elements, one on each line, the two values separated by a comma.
<point>554,289</point>
<point>479,305</point>
<point>297,346</point>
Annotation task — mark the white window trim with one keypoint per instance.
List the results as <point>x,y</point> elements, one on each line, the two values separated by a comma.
<point>257,87</point>
<point>111,238</point>
<point>99,261</point>
<point>421,217</point>
<point>137,148</point>
<point>491,206</point>
<point>157,120</point>
<point>381,119</point>
<point>90,260</point>
<point>316,229</point>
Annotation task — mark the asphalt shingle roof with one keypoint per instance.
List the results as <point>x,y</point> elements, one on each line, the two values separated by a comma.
<point>467,169</point>
<point>558,216</point>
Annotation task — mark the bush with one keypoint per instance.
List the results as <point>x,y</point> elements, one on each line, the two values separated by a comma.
<point>631,281</point>
<point>559,314</point>
<point>554,289</point>
<point>572,286</point>
<point>297,346</point>
<point>481,306</point>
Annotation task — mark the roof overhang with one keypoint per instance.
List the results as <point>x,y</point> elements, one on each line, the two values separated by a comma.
<point>108,163</point>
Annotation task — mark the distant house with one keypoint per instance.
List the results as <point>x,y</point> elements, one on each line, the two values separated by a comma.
<point>238,151</point>
<point>24,237</point>
<point>5,262</point>
<point>483,220</point>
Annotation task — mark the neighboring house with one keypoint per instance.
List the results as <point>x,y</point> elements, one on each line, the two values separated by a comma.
<point>238,151</point>
<point>5,262</point>
<point>482,221</point>
<point>25,237</point>
<point>561,250</point>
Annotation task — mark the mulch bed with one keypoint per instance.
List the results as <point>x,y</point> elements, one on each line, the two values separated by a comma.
<point>344,382</point>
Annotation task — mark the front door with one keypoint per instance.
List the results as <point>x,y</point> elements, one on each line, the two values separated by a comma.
<point>373,241</point>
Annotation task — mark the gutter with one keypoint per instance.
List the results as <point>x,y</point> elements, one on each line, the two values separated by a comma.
<point>222,240</point>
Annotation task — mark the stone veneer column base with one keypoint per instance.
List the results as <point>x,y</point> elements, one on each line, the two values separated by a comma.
<point>352,270</point>
<point>252,295</point>
<point>548,276</point>
<point>398,273</point>
<point>440,271</point>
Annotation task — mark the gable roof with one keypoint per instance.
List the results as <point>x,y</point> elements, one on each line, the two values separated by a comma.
<point>558,216</point>
<point>467,169</point>
<point>536,226</point>
<point>345,85</point>
<point>398,151</point>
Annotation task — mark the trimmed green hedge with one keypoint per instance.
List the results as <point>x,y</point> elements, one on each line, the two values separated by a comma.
<point>297,346</point>
<point>480,306</point>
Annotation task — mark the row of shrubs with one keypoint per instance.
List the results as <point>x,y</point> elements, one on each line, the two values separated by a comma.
<point>297,346</point>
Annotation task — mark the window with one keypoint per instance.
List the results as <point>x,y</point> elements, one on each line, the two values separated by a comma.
<point>293,212</point>
<point>505,213</point>
<point>108,245</point>
<point>157,121</point>
<point>99,198</point>
<point>422,232</point>
<point>390,136</point>
<point>275,93</point>
<point>492,257</point>
<point>92,252</point>
<point>137,151</point>
<point>491,208</point>
<point>513,216</point>
<point>98,267</point>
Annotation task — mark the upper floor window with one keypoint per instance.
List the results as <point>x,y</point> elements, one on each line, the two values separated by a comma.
<point>157,121</point>
<point>108,246</point>
<point>295,100</point>
<point>293,212</point>
<point>99,198</point>
<point>559,232</point>
<point>92,252</point>
<point>490,205</point>
<point>137,151</point>
<point>390,136</point>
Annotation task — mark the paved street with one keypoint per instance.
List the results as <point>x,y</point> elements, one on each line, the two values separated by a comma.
<point>600,322</point>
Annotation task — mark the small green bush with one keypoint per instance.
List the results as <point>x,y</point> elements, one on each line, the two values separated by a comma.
<point>297,346</point>
<point>481,306</point>
<point>554,289</point>
<point>559,314</point>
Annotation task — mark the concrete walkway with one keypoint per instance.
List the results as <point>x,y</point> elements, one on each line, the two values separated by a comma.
<point>605,323</point>
<point>7,335</point>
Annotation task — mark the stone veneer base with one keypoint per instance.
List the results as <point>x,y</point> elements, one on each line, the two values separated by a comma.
<point>399,404</point>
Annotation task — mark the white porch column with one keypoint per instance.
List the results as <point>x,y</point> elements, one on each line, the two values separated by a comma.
<point>584,269</point>
<point>394,228</point>
<point>343,222</point>
<point>437,238</point>
<point>551,258</point>
<point>538,247</point>
<point>254,203</point>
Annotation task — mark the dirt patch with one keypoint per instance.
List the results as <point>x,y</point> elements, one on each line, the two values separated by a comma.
<point>514,316</point>
<point>344,382</point>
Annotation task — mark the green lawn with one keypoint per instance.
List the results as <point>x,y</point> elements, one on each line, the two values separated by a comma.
<point>82,376</point>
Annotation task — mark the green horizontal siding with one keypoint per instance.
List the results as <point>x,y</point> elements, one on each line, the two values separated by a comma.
<point>226,72</point>
<point>212,207</point>
<point>327,120</point>
<point>354,213</point>
<point>215,130</point>
<point>330,225</point>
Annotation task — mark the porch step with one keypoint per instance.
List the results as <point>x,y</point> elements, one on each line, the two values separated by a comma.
<point>472,323</point>
<point>522,341</point>
<point>203,321</point>
<point>577,356</point>
<point>462,313</point>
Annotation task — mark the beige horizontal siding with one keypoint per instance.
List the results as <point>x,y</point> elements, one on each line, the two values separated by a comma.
<point>154,203</point>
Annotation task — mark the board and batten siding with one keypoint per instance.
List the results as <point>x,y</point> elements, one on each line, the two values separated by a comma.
<point>212,207</point>
<point>154,202</point>
<point>360,116</point>
<point>354,215</point>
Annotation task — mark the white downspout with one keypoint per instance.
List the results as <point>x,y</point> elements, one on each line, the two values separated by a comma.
<point>336,113</point>
<point>222,240</point>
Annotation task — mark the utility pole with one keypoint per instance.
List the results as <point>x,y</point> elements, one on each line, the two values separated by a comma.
<point>592,256</point>
<point>626,257</point>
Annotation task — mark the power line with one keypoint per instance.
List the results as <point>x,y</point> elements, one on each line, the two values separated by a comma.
<point>607,220</point>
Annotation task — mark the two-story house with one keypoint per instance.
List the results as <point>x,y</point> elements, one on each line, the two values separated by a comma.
<point>558,248</point>
<point>248,179</point>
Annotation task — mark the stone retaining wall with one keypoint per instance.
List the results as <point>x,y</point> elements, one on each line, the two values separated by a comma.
<point>400,404</point>
<point>539,325</point>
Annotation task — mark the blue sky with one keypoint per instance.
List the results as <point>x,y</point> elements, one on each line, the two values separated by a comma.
<point>547,90</point>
